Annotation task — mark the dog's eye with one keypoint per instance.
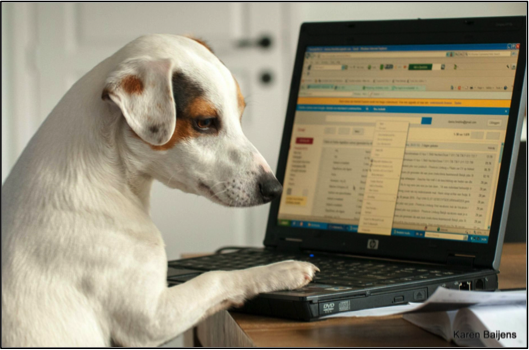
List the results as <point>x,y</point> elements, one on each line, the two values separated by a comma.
<point>205,124</point>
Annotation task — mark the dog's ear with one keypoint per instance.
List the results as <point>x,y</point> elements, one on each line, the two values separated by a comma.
<point>142,89</point>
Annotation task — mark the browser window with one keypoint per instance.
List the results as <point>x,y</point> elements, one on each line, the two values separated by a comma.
<point>399,140</point>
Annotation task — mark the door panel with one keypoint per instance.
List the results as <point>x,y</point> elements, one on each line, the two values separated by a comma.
<point>122,22</point>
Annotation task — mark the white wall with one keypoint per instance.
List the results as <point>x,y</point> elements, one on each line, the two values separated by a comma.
<point>7,148</point>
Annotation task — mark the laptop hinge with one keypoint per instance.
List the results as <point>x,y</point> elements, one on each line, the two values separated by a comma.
<point>461,260</point>
<point>291,245</point>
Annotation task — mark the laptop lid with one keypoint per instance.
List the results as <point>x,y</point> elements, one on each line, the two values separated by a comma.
<point>400,137</point>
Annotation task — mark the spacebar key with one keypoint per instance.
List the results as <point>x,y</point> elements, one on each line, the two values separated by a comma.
<point>346,283</point>
<point>359,279</point>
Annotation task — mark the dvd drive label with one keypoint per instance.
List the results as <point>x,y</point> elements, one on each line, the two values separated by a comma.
<point>332,307</point>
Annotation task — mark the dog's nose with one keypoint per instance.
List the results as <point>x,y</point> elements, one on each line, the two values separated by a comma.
<point>269,187</point>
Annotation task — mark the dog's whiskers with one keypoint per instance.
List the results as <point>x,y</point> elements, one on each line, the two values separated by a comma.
<point>218,183</point>
<point>224,190</point>
<point>169,182</point>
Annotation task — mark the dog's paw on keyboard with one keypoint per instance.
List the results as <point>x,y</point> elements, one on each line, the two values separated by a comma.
<point>284,275</point>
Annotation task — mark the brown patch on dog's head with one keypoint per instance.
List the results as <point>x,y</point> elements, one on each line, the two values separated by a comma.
<point>202,42</point>
<point>132,84</point>
<point>200,107</point>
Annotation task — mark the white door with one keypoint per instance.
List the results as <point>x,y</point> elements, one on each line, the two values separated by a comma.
<point>58,42</point>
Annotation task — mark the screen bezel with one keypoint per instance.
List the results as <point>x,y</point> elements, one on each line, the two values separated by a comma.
<point>407,32</point>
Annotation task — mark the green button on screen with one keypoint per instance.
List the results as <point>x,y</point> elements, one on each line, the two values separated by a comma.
<point>420,66</point>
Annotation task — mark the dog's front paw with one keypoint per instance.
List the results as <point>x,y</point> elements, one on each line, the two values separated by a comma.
<point>283,275</point>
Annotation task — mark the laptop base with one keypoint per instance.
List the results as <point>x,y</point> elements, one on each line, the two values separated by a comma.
<point>343,293</point>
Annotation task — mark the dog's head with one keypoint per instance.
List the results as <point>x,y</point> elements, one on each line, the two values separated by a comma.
<point>183,111</point>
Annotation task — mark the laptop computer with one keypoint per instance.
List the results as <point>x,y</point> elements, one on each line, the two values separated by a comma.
<point>397,160</point>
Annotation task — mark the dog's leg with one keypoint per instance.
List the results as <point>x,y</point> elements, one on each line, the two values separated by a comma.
<point>182,306</point>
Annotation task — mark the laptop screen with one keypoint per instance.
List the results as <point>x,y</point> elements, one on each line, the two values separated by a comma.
<point>399,140</point>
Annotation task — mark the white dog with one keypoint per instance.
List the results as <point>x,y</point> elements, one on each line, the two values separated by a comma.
<point>82,262</point>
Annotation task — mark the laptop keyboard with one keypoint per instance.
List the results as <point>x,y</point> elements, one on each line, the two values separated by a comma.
<point>334,271</point>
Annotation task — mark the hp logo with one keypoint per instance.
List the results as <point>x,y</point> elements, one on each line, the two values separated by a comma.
<point>372,244</point>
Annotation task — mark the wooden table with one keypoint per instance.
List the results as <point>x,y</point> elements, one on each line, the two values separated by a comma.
<point>231,329</point>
